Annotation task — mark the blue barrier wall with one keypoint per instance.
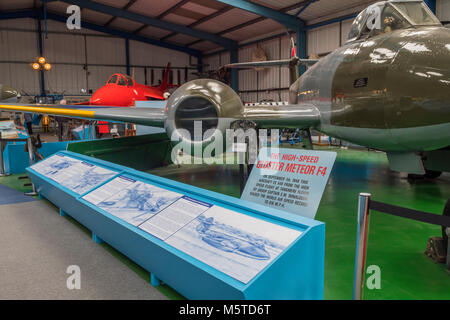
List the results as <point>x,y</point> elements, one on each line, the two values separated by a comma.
<point>296,273</point>
<point>16,159</point>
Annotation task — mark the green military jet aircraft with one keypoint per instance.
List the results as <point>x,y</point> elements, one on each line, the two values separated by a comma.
<point>8,94</point>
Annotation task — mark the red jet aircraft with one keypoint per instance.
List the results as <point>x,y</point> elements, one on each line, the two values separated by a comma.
<point>122,91</point>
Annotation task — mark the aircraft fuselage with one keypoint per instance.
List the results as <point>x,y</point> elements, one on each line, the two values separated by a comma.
<point>8,94</point>
<point>389,92</point>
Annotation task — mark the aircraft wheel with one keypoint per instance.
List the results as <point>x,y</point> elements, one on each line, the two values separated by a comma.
<point>431,174</point>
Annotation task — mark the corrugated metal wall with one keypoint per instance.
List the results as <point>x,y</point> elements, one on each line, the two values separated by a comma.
<point>82,60</point>
<point>18,46</point>
<point>323,40</point>
<point>443,10</point>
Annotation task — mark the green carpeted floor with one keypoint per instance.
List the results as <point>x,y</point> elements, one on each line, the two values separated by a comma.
<point>396,245</point>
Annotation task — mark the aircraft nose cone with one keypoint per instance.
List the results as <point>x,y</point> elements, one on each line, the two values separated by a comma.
<point>9,94</point>
<point>96,99</point>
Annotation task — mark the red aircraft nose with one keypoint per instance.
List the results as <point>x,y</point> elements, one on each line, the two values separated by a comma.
<point>96,98</point>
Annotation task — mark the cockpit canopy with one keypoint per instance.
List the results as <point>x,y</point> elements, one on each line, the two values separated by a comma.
<point>121,80</point>
<point>387,16</point>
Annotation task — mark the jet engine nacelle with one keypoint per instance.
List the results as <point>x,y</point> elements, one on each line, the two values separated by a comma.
<point>200,111</point>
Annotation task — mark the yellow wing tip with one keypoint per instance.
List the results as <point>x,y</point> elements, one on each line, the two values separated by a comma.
<point>50,110</point>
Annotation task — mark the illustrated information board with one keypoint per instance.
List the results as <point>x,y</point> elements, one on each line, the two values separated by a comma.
<point>131,200</point>
<point>233,243</point>
<point>291,180</point>
<point>76,175</point>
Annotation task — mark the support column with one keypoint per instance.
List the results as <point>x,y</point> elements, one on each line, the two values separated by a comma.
<point>234,58</point>
<point>127,55</point>
<point>41,52</point>
<point>432,5</point>
<point>301,48</point>
<point>199,64</point>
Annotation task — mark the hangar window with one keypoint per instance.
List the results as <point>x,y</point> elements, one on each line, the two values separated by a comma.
<point>112,79</point>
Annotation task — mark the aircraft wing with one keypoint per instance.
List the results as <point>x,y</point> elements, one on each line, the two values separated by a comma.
<point>266,115</point>
<point>146,115</point>
<point>272,63</point>
<point>282,115</point>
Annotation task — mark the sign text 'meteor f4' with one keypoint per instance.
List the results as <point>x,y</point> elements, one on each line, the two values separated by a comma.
<point>289,179</point>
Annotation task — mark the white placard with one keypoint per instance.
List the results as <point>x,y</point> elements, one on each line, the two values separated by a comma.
<point>174,217</point>
<point>108,190</point>
<point>292,180</point>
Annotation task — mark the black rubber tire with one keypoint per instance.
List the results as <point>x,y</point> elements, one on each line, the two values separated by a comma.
<point>431,174</point>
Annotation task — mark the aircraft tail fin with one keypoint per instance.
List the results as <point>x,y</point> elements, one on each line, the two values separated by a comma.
<point>165,83</point>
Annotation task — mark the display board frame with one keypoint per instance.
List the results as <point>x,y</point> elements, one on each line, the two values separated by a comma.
<point>296,273</point>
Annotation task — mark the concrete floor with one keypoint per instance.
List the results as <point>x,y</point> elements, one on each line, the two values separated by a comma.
<point>38,246</point>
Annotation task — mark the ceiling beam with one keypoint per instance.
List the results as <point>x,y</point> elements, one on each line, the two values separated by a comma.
<point>128,5</point>
<point>304,7</point>
<point>331,21</point>
<point>117,12</point>
<point>285,19</point>
<point>203,20</point>
<point>256,20</point>
<point>172,9</point>
<point>91,26</point>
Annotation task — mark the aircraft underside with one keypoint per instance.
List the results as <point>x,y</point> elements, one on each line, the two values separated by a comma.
<point>410,150</point>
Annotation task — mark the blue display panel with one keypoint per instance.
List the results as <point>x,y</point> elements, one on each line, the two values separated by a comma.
<point>203,244</point>
<point>16,159</point>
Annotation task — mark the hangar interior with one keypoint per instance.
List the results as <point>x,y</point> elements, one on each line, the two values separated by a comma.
<point>139,38</point>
